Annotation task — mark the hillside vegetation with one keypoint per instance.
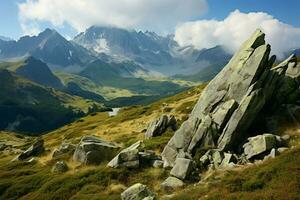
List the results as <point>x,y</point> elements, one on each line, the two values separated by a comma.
<point>34,180</point>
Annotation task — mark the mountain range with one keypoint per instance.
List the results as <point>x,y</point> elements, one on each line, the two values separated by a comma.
<point>156,54</point>
<point>101,67</point>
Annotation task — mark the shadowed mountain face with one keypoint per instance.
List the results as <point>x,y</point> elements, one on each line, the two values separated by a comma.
<point>29,107</point>
<point>48,46</point>
<point>38,72</point>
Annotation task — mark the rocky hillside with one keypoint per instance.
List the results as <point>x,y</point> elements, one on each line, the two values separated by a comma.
<point>235,138</point>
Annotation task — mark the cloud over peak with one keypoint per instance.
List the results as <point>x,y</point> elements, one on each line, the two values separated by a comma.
<point>235,29</point>
<point>81,14</point>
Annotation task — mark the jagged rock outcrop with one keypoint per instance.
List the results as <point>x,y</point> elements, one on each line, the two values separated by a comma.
<point>34,150</point>
<point>137,192</point>
<point>234,99</point>
<point>215,158</point>
<point>128,157</point>
<point>158,126</point>
<point>93,150</point>
<point>134,156</point>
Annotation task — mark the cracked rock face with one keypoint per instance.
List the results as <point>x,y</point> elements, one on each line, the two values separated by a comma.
<point>234,98</point>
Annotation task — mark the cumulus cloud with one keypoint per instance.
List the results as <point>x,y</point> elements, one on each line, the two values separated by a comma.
<point>235,29</point>
<point>80,14</point>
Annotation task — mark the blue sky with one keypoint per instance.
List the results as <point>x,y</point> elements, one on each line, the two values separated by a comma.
<point>286,11</point>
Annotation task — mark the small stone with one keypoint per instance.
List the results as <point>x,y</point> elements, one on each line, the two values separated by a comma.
<point>137,191</point>
<point>158,164</point>
<point>282,149</point>
<point>273,154</point>
<point>172,183</point>
<point>31,160</point>
<point>60,167</point>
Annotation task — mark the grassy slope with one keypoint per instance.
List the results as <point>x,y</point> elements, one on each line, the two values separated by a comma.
<point>276,179</point>
<point>35,181</point>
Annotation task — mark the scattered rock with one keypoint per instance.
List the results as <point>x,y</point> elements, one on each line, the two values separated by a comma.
<point>158,164</point>
<point>172,183</point>
<point>215,158</point>
<point>60,167</point>
<point>259,144</point>
<point>137,192</point>
<point>128,157</point>
<point>34,150</point>
<point>65,148</point>
<point>182,168</point>
<point>229,160</point>
<point>93,150</point>
<point>160,125</point>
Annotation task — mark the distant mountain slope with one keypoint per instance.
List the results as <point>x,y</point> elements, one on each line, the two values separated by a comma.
<point>143,47</point>
<point>29,107</point>
<point>121,76</point>
<point>34,70</point>
<point>214,55</point>
<point>49,46</point>
<point>216,58</point>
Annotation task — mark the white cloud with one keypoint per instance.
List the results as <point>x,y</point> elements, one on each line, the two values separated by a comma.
<point>235,29</point>
<point>159,15</point>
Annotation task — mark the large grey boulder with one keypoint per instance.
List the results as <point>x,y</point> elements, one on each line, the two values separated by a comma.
<point>158,126</point>
<point>64,149</point>
<point>128,157</point>
<point>137,191</point>
<point>93,150</point>
<point>246,88</point>
<point>260,144</point>
<point>35,149</point>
